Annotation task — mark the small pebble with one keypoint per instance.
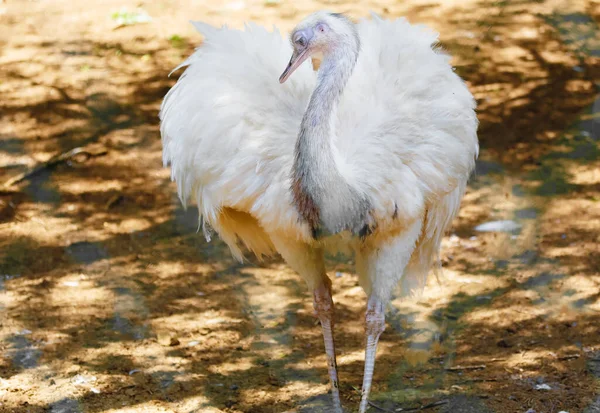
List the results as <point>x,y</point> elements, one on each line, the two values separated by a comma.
<point>542,387</point>
<point>167,340</point>
<point>82,379</point>
<point>503,343</point>
<point>234,387</point>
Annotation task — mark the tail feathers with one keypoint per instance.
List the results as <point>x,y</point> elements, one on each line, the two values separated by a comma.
<point>426,257</point>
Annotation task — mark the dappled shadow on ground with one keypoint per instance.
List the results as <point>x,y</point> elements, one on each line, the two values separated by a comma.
<point>111,299</point>
<point>529,81</point>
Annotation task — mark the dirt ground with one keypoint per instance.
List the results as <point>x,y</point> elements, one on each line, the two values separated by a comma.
<point>111,302</point>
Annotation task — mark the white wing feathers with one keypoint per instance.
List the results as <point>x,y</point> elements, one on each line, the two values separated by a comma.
<point>406,128</point>
<point>406,120</point>
<point>229,128</point>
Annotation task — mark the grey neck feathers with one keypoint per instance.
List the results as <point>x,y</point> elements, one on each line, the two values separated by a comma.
<point>323,196</point>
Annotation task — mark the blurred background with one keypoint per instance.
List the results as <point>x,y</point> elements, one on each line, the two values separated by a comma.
<point>111,302</point>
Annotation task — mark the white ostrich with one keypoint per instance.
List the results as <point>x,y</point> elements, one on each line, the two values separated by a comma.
<point>372,152</point>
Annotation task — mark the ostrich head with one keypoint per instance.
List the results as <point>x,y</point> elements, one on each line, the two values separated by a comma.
<point>321,33</point>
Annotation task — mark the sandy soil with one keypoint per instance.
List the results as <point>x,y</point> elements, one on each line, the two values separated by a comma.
<point>111,302</point>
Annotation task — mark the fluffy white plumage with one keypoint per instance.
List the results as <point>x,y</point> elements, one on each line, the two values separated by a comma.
<point>406,132</point>
<point>376,149</point>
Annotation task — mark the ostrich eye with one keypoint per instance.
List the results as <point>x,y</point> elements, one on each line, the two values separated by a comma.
<point>321,27</point>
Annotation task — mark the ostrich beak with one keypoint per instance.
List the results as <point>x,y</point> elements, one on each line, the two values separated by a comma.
<point>295,62</point>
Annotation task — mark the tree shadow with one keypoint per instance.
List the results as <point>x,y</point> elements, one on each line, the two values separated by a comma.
<point>101,297</point>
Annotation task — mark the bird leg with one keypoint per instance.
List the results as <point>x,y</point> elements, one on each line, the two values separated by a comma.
<point>375,324</point>
<point>323,305</point>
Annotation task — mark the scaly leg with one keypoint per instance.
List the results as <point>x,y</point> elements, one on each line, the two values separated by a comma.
<point>375,324</point>
<point>308,262</point>
<point>323,305</point>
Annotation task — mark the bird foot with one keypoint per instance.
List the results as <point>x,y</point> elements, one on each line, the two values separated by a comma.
<point>323,305</point>
<point>375,325</point>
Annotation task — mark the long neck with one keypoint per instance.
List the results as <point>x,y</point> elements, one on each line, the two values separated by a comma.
<point>317,127</point>
<point>317,179</point>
